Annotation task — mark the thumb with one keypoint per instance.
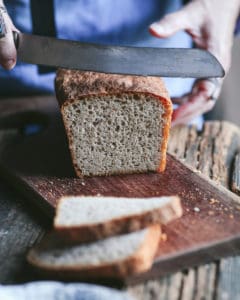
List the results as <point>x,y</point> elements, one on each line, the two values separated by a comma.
<point>170,24</point>
<point>7,48</point>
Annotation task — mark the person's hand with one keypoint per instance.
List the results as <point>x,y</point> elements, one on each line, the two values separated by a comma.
<point>8,53</point>
<point>211,25</point>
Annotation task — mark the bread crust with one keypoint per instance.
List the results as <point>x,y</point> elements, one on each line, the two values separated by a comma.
<point>72,86</point>
<point>121,225</point>
<point>140,261</point>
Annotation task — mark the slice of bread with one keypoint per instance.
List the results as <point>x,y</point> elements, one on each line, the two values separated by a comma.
<point>115,257</point>
<point>84,219</point>
<point>115,124</point>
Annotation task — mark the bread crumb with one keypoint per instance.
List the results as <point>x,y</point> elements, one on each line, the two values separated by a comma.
<point>163,237</point>
<point>83,183</point>
<point>196,209</point>
<point>211,213</point>
<point>213,201</point>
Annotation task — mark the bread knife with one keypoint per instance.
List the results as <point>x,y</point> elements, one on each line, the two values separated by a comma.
<point>145,61</point>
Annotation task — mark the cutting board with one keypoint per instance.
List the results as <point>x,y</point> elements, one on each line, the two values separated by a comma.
<point>38,164</point>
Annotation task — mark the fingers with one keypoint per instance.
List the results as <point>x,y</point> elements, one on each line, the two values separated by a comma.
<point>201,100</point>
<point>170,24</point>
<point>188,112</point>
<point>183,19</point>
<point>8,53</point>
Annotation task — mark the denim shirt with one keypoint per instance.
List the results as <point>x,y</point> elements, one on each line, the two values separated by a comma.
<point>119,22</point>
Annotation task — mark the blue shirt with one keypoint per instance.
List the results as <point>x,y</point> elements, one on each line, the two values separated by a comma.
<point>119,22</point>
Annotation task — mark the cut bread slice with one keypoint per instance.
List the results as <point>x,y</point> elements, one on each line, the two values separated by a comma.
<point>115,257</point>
<point>115,124</point>
<point>91,218</point>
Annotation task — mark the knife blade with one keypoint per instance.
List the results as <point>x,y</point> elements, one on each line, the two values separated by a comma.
<point>165,62</point>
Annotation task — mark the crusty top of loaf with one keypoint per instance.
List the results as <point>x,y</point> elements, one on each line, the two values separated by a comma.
<point>71,84</point>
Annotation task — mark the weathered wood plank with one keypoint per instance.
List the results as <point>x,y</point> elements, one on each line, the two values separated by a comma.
<point>18,230</point>
<point>217,166</point>
<point>166,288</point>
<point>19,227</point>
<point>217,163</point>
<point>189,285</point>
<point>235,184</point>
<point>226,144</point>
<point>198,155</point>
<point>228,284</point>
<point>176,148</point>
<point>205,282</point>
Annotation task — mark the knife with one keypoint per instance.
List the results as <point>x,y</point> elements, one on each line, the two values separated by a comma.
<point>165,62</point>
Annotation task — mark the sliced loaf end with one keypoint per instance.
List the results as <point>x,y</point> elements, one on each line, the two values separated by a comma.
<point>115,124</point>
<point>115,257</point>
<point>84,219</point>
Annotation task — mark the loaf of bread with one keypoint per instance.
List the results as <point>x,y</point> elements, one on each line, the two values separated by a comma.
<point>115,124</point>
<point>84,219</point>
<point>114,257</point>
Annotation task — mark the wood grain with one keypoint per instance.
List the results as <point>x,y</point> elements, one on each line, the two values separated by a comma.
<point>45,178</point>
<point>236,175</point>
<point>228,285</point>
<point>217,279</point>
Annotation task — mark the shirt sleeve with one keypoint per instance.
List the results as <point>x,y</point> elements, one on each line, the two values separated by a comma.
<point>237,27</point>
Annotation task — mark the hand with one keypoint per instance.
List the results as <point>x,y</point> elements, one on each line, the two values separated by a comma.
<point>8,53</point>
<point>211,25</point>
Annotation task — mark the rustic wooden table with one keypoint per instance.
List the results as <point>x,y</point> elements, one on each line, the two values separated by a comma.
<point>213,152</point>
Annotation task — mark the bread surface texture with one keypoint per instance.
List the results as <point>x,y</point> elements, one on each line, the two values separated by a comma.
<point>89,218</point>
<point>115,257</point>
<point>115,124</point>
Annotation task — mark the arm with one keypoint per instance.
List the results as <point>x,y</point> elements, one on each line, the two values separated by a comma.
<point>8,54</point>
<point>211,24</point>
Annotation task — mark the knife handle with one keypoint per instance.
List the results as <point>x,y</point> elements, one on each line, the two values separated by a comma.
<point>16,38</point>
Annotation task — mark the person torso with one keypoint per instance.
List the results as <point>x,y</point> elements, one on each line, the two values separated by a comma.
<point>120,22</point>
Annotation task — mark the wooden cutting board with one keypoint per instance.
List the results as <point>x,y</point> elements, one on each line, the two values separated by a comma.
<point>39,166</point>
